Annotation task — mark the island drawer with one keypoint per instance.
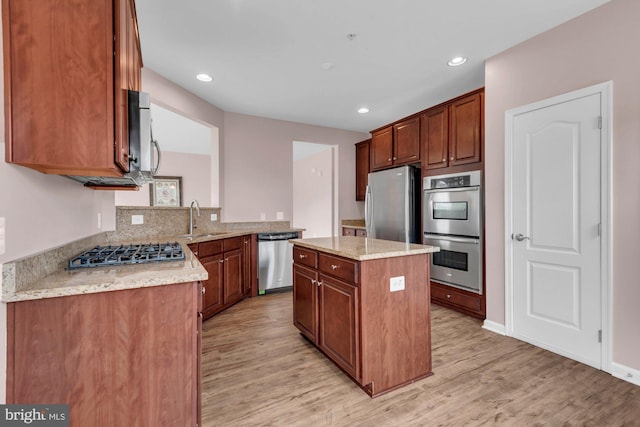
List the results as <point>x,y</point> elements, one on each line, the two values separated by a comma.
<point>209,248</point>
<point>338,267</point>
<point>305,257</point>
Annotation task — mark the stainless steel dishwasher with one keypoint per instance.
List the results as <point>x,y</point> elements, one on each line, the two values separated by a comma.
<point>275,259</point>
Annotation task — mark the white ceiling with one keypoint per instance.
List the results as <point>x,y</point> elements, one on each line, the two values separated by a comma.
<point>267,56</point>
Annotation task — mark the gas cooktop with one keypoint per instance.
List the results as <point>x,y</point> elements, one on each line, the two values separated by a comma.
<point>102,256</point>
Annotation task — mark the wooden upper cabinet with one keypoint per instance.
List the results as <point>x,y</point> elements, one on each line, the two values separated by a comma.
<point>406,141</point>
<point>362,168</point>
<point>434,136</point>
<point>382,148</point>
<point>465,119</point>
<point>65,107</point>
<point>396,145</point>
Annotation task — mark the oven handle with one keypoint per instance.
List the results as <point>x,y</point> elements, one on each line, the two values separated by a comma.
<point>452,238</point>
<point>451,190</point>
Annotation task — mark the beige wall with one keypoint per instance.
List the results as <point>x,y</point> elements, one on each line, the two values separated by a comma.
<point>593,48</point>
<point>258,161</point>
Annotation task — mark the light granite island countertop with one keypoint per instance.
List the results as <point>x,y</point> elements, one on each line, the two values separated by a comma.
<point>363,248</point>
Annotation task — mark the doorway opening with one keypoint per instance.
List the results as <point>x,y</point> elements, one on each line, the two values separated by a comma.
<point>315,194</point>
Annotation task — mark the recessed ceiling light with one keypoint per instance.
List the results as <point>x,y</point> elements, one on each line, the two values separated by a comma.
<point>328,66</point>
<point>363,110</point>
<point>458,60</point>
<point>204,77</point>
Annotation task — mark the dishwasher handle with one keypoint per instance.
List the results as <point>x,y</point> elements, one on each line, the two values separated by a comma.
<point>278,236</point>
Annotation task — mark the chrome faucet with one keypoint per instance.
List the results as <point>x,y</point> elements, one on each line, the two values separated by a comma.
<point>191,224</point>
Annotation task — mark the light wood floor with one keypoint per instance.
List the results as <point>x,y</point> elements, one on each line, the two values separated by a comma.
<point>258,371</point>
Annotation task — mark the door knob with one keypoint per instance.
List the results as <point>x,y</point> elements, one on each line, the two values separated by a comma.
<point>519,237</point>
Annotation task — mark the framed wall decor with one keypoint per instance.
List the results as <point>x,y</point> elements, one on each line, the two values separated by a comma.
<point>166,191</point>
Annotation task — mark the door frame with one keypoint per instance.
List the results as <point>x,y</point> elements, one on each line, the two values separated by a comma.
<point>606,91</point>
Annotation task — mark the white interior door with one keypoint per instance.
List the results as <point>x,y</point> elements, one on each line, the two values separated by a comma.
<point>556,215</point>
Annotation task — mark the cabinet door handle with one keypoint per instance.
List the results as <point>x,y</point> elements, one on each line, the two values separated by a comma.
<point>448,296</point>
<point>334,267</point>
<point>318,283</point>
<point>204,290</point>
<point>389,159</point>
<point>444,160</point>
<point>221,261</point>
<point>313,281</point>
<point>302,256</point>
<point>451,158</point>
<point>395,158</point>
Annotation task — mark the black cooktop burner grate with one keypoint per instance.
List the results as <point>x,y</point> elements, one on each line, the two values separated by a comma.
<point>102,256</point>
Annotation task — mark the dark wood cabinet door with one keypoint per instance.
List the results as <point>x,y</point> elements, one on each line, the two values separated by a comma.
<point>338,324</point>
<point>59,87</point>
<point>406,141</point>
<point>305,297</point>
<point>362,168</point>
<point>464,130</point>
<point>382,148</point>
<point>233,285</point>
<point>434,135</point>
<point>213,298</point>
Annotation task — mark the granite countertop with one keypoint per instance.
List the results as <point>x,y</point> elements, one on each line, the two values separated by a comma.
<point>103,279</point>
<point>44,275</point>
<point>354,223</point>
<point>363,248</point>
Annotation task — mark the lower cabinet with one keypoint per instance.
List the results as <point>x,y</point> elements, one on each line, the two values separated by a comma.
<point>459,300</point>
<point>224,261</point>
<point>120,358</point>
<point>339,304</point>
<point>338,337</point>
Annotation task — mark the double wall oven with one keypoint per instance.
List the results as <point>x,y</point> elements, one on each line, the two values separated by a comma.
<point>452,220</point>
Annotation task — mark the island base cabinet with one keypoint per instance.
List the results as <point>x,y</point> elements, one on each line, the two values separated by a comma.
<point>380,338</point>
<point>395,326</point>
<point>119,358</point>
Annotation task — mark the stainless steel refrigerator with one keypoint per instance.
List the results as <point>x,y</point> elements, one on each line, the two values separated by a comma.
<point>392,205</point>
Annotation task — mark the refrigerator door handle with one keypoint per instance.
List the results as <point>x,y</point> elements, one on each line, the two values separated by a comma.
<point>367,211</point>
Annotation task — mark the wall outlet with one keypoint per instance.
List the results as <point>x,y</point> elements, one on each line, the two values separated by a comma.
<point>137,219</point>
<point>396,284</point>
<point>263,216</point>
<point>214,217</point>
<point>279,215</point>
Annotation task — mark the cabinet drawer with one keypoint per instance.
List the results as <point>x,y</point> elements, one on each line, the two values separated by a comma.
<point>305,257</point>
<point>232,243</point>
<point>209,248</point>
<point>338,267</point>
<point>348,231</point>
<point>452,296</point>
<point>361,233</point>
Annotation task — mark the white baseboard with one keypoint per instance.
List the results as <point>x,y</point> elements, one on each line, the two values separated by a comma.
<point>625,373</point>
<point>494,327</point>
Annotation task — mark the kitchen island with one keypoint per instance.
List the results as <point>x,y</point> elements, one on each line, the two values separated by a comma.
<point>365,304</point>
